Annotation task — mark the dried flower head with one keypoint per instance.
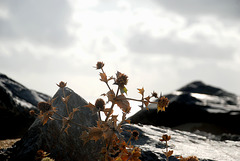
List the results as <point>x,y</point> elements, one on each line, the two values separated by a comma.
<point>99,65</point>
<point>62,84</point>
<point>32,112</point>
<point>100,104</point>
<point>44,106</point>
<point>40,155</point>
<point>154,94</point>
<point>165,138</point>
<point>162,103</point>
<point>121,80</point>
<point>135,134</point>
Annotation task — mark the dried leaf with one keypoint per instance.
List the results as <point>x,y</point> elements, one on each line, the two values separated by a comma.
<point>72,113</point>
<point>95,133</point>
<point>84,137</point>
<point>111,95</point>
<point>107,111</point>
<point>66,129</point>
<point>123,103</point>
<point>128,121</point>
<point>114,120</point>
<point>103,77</point>
<point>141,91</point>
<point>123,90</point>
<point>168,154</point>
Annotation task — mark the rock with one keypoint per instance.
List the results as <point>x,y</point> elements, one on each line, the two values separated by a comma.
<point>196,106</point>
<point>60,145</point>
<point>15,103</point>
<point>182,143</point>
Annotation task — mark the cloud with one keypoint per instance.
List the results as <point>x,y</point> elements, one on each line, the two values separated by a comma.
<point>145,44</point>
<point>42,22</point>
<point>229,9</point>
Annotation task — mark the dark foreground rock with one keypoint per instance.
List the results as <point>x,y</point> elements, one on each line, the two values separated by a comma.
<point>196,106</point>
<point>49,138</point>
<point>205,147</point>
<point>15,103</point>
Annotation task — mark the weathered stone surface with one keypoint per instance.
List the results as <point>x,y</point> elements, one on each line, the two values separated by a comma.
<point>196,106</point>
<point>61,146</point>
<point>206,147</point>
<point>15,103</point>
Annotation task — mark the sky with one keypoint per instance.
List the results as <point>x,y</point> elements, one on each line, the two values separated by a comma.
<point>161,45</point>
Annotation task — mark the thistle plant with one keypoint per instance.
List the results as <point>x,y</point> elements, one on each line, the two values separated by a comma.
<point>109,129</point>
<point>167,153</point>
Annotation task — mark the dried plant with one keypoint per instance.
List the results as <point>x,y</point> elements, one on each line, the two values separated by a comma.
<point>109,129</point>
<point>167,153</point>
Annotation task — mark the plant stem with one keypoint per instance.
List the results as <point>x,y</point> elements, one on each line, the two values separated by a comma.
<point>129,139</point>
<point>106,82</point>
<point>64,102</point>
<point>110,112</point>
<point>132,99</point>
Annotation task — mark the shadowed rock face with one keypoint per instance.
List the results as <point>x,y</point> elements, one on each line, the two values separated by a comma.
<point>196,106</point>
<point>15,103</point>
<point>61,146</point>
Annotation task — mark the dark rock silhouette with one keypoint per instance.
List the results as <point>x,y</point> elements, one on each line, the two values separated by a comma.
<point>15,103</point>
<point>50,138</point>
<point>196,106</point>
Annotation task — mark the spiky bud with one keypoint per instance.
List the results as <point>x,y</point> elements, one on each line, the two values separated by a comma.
<point>99,65</point>
<point>162,103</point>
<point>44,106</point>
<point>100,104</point>
<point>62,84</point>
<point>121,80</point>
<point>135,134</point>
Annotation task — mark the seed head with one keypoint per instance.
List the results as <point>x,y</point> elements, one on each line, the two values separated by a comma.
<point>162,103</point>
<point>154,94</point>
<point>44,106</point>
<point>165,138</point>
<point>100,104</point>
<point>99,65</point>
<point>121,80</point>
<point>31,112</point>
<point>62,84</point>
<point>135,134</point>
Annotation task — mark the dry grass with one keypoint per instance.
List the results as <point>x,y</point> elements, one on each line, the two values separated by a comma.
<point>7,143</point>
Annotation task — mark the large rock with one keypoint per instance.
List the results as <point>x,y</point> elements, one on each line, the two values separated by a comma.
<point>15,103</point>
<point>60,145</point>
<point>205,146</point>
<point>196,106</point>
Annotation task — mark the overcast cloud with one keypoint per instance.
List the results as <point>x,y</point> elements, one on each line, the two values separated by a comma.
<point>161,45</point>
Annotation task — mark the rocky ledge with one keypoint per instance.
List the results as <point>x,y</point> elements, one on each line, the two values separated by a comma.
<point>196,106</point>
<point>15,103</point>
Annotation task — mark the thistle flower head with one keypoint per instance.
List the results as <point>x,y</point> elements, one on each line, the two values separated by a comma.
<point>121,80</point>
<point>32,112</point>
<point>165,138</point>
<point>100,104</point>
<point>162,103</point>
<point>44,106</point>
<point>154,94</point>
<point>99,65</point>
<point>135,134</point>
<point>62,84</point>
